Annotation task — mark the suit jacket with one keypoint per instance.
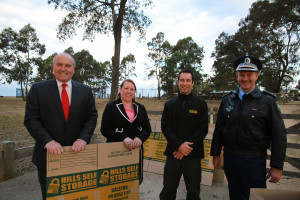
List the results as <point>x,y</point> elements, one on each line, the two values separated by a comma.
<point>44,117</point>
<point>116,125</point>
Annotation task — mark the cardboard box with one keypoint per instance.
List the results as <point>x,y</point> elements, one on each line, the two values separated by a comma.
<point>273,194</point>
<point>154,157</point>
<point>102,171</point>
<point>219,176</point>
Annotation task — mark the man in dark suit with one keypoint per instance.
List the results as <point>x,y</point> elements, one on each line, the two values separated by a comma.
<point>59,112</point>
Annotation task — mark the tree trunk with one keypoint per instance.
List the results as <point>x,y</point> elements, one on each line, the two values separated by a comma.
<point>158,84</point>
<point>116,58</point>
<point>23,96</point>
<point>158,90</point>
<point>281,76</point>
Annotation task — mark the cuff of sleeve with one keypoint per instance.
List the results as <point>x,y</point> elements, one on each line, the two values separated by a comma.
<point>47,143</point>
<point>82,140</point>
<point>277,166</point>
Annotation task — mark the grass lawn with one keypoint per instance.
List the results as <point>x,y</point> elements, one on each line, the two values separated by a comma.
<point>12,112</point>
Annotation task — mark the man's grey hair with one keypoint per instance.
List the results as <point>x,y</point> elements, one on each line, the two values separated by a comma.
<point>64,54</point>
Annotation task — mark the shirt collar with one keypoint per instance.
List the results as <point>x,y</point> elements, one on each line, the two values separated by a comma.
<point>69,83</point>
<point>183,96</point>
<point>241,93</point>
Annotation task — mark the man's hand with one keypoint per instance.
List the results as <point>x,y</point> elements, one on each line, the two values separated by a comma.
<point>275,175</point>
<point>185,149</point>
<point>78,145</point>
<point>178,155</point>
<point>136,143</point>
<point>128,143</point>
<point>217,162</point>
<point>54,148</point>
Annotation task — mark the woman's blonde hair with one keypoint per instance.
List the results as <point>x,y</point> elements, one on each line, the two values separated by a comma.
<point>122,84</point>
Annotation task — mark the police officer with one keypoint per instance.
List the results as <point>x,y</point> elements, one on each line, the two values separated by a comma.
<point>249,121</point>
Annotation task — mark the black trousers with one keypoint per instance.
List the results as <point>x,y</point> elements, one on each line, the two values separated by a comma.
<point>243,174</point>
<point>42,180</point>
<point>174,169</point>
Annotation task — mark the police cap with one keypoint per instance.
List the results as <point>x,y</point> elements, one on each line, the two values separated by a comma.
<point>248,63</point>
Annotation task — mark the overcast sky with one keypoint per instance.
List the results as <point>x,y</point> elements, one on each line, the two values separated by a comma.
<point>203,20</point>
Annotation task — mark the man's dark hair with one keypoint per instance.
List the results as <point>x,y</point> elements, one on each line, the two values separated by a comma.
<point>186,70</point>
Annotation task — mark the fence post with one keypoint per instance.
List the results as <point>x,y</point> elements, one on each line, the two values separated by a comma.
<point>210,117</point>
<point>215,114</point>
<point>7,169</point>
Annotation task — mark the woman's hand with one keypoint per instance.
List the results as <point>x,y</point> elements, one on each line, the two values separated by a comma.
<point>128,142</point>
<point>136,143</point>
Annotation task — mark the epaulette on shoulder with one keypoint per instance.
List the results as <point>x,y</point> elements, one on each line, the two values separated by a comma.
<point>227,94</point>
<point>270,94</point>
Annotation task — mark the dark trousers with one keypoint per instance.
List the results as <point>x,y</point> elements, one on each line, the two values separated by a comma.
<point>42,180</point>
<point>243,174</point>
<point>174,168</point>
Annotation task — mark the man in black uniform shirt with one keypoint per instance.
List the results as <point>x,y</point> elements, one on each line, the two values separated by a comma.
<point>184,123</point>
<point>249,121</point>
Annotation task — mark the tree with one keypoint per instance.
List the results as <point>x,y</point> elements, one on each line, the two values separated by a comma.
<point>169,77</point>
<point>90,72</point>
<point>85,64</point>
<point>8,54</point>
<point>270,32</point>
<point>127,67</point>
<point>44,71</point>
<point>21,53</point>
<point>207,85</point>
<point>185,54</point>
<point>226,51</point>
<point>278,25</point>
<point>104,17</point>
<point>159,51</point>
<point>104,82</point>
<point>286,82</point>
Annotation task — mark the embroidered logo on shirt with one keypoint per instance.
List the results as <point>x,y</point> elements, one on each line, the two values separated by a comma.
<point>193,111</point>
<point>278,107</point>
<point>229,108</point>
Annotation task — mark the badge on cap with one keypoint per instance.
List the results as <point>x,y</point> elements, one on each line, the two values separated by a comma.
<point>248,63</point>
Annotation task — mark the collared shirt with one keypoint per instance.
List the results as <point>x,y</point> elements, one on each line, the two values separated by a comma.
<point>68,88</point>
<point>241,93</point>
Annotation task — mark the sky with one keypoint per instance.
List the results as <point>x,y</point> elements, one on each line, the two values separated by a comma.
<point>201,19</point>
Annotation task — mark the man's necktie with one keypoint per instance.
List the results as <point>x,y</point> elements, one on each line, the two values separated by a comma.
<point>65,101</point>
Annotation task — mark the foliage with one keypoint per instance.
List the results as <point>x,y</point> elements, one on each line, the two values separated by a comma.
<point>105,80</point>
<point>185,54</point>
<point>225,52</point>
<point>270,32</point>
<point>87,71</point>
<point>206,86</point>
<point>21,52</point>
<point>278,22</point>
<point>127,67</point>
<point>45,72</point>
<point>159,52</point>
<point>109,16</point>
<point>85,66</point>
